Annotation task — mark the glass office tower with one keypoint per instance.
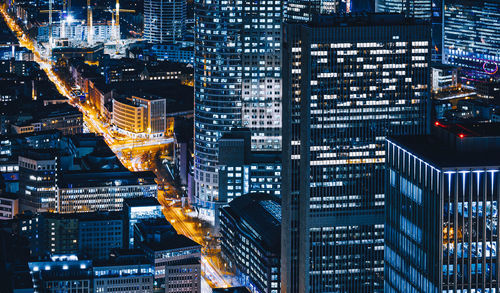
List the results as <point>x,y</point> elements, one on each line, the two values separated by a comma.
<point>164,21</point>
<point>441,232</point>
<point>348,83</point>
<point>412,8</point>
<point>471,37</point>
<point>237,73</point>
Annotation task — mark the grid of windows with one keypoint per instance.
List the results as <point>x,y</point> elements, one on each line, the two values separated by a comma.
<point>448,240</point>
<point>164,21</point>
<point>99,198</point>
<point>237,83</point>
<point>470,36</point>
<point>350,85</point>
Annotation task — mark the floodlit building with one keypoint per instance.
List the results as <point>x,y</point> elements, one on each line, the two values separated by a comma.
<point>441,212</point>
<point>348,83</point>
<point>140,116</point>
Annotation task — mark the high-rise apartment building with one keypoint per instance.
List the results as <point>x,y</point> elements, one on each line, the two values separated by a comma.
<point>470,37</point>
<point>237,72</point>
<point>164,21</point>
<point>441,231</point>
<point>348,83</point>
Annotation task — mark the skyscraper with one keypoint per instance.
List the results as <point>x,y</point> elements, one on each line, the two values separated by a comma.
<point>441,232</point>
<point>164,21</point>
<point>348,82</point>
<point>237,72</point>
<point>413,8</point>
<point>471,36</point>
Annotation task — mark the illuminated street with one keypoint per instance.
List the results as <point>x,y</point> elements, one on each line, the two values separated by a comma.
<point>137,154</point>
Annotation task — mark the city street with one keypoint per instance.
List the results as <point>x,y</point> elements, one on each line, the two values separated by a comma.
<point>137,154</point>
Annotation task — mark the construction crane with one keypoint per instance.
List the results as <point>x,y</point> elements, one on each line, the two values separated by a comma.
<point>50,27</point>
<point>90,29</point>
<point>115,21</point>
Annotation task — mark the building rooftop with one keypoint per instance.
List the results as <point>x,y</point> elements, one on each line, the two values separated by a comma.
<point>186,261</point>
<point>90,216</point>
<point>265,157</point>
<point>75,179</point>
<point>40,154</point>
<point>174,241</point>
<point>178,97</point>
<point>141,201</point>
<point>231,290</point>
<point>57,110</point>
<point>8,195</point>
<point>363,19</point>
<point>88,140</point>
<point>262,213</point>
<point>475,145</point>
<point>128,260</point>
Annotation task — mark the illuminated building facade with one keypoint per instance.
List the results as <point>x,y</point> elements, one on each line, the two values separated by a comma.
<point>136,209</point>
<point>349,82</point>
<point>470,37</point>
<point>125,272</point>
<point>140,116</point>
<point>237,70</point>
<point>304,10</point>
<point>441,232</point>
<point>177,259</point>
<point>37,179</point>
<point>76,32</point>
<point>9,205</point>
<point>101,191</point>
<point>93,235</point>
<point>62,274</point>
<point>411,8</point>
<point>250,242</point>
<point>243,171</point>
<point>164,21</point>
<point>128,116</point>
